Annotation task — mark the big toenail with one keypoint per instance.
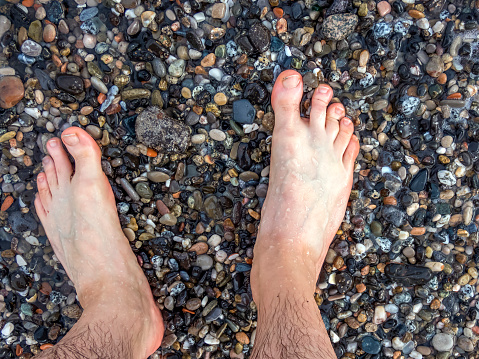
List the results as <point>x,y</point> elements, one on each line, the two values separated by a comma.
<point>292,81</point>
<point>323,89</point>
<point>70,139</point>
<point>338,110</point>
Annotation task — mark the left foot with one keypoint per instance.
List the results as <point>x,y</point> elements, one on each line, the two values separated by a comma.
<point>79,215</point>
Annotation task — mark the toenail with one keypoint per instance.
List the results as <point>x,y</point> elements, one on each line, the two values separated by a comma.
<point>346,121</point>
<point>292,81</point>
<point>339,110</point>
<point>70,139</point>
<point>52,143</point>
<point>323,89</point>
<point>46,160</point>
<point>40,178</point>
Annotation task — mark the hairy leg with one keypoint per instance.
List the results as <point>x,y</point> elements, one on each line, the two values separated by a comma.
<point>78,211</point>
<point>311,175</point>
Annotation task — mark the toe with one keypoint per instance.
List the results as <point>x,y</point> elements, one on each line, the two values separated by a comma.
<point>84,150</point>
<point>39,208</point>
<point>319,103</point>
<point>334,114</point>
<point>286,98</point>
<point>50,172</point>
<point>63,166</point>
<point>351,153</point>
<point>44,194</point>
<point>346,130</point>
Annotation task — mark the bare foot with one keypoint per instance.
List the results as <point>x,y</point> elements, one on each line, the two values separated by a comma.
<point>79,215</point>
<point>311,175</point>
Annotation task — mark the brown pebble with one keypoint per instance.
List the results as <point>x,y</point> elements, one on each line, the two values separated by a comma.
<point>49,33</point>
<point>11,91</point>
<point>242,338</point>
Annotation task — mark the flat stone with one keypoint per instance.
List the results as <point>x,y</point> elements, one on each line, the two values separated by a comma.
<point>383,8</point>
<point>31,48</point>
<point>443,342</point>
<point>243,112</point>
<point>260,37</point>
<point>5,24</point>
<point>70,83</point>
<point>160,132</point>
<point>339,26</point>
<point>218,10</point>
<point>11,91</point>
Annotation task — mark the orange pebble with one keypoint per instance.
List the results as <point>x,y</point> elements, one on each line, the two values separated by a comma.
<point>101,98</point>
<point>442,79</point>
<point>151,152</point>
<point>7,202</point>
<point>176,195</point>
<point>46,346</point>
<point>18,350</point>
<point>27,3</point>
<point>455,96</point>
<point>278,12</point>
<point>188,311</point>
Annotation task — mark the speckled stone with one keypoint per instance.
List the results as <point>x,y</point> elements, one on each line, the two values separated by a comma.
<point>339,26</point>
<point>160,132</point>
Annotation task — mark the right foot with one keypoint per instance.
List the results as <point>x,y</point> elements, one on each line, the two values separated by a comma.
<point>311,174</point>
<point>78,213</point>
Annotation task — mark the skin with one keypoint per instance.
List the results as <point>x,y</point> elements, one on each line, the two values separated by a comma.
<point>310,181</point>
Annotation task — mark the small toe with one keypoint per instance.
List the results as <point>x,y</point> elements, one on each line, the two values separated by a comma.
<point>319,104</point>
<point>351,153</point>
<point>84,150</point>
<point>63,165</point>
<point>44,194</point>
<point>42,214</point>
<point>50,172</point>
<point>346,130</point>
<point>286,98</point>
<point>334,114</point>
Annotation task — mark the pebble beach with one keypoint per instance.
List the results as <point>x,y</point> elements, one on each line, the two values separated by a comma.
<point>177,96</point>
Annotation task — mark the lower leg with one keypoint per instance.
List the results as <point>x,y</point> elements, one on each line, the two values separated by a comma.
<point>311,172</point>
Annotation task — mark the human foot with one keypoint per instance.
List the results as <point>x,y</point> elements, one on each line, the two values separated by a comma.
<point>79,216</point>
<point>311,175</point>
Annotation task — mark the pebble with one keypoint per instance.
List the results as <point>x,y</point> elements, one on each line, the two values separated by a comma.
<point>442,342</point>
<point>11,91</point>
<point>160,132</point>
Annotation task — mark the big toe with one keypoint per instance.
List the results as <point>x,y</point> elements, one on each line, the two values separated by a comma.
<point>84,150</point>
<point>286,97</point>
<point>63,166</point>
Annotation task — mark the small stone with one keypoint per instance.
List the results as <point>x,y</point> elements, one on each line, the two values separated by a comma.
<point>49,33</point>
<point>5,24</point>
<point>243,112</point>
<point>11,91</point>
<point>260,37</point>
<point>217,135</point>
<point>435,66</point>
<point>218,11</point>
<point>168,219</point>
<point>31,48</point>
<point>70,83</point>
<point>383,8</point>
<point>370,345</point>
<point>209,60</point>
<point>204,261</point>
<point>177,68</point>
<point>442,342</point>
<point>446,178</point>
